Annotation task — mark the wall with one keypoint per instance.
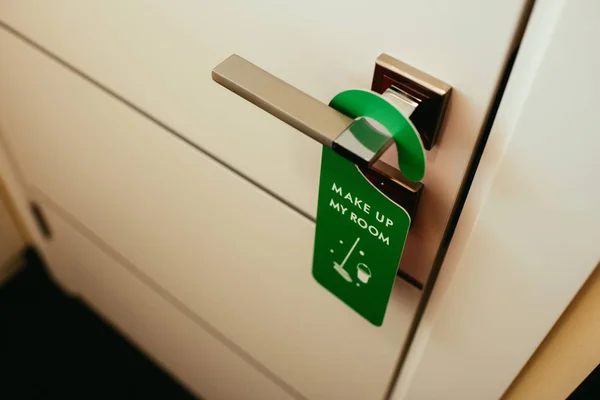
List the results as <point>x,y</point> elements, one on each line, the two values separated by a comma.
<point>569,352</point>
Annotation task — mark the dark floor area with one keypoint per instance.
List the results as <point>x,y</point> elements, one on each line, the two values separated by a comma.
<point>589,388</point>
<point>53,347</point>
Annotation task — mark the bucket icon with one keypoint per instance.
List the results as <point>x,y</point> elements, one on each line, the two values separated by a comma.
<point>363,272</point>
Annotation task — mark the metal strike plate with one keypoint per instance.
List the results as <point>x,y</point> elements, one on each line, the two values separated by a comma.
<point>419,96</point>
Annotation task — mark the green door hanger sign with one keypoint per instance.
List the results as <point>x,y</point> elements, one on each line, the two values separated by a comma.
<point>360,232</point>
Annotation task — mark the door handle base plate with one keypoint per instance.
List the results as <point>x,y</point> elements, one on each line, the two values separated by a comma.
<point>420,96</point>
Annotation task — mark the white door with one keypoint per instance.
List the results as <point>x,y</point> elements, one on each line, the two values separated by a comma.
<point>116,129</point>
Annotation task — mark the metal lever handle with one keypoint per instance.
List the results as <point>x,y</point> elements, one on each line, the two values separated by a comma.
<point>305,113</point>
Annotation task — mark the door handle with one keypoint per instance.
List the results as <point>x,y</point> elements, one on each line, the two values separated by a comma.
<point>419,96</point>
<point>305,113</point>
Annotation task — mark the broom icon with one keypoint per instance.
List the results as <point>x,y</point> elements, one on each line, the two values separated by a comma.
<point>340,267</point>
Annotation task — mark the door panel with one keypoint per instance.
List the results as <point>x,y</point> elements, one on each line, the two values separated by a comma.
<point>237,258</point>
<point>158,55</point>
<point>189,352</point>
